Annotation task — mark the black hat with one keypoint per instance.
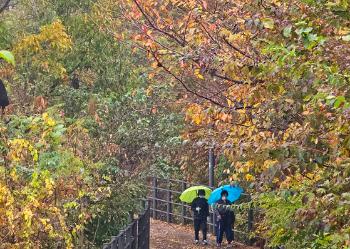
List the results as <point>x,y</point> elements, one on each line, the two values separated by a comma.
<point>224,192</point>
<point>201,192</point>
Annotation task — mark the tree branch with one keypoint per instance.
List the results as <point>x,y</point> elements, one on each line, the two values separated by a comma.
<point>223,77</point>
<point>184,85</point>
<point>188,20</point>
<point>182,43</point>
<point>237,49</point>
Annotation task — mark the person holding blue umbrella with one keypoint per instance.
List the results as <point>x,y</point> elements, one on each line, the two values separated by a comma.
<point>225,219</point>
<point>222,198</point>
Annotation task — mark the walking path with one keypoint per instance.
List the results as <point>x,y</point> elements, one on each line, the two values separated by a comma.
<point>171,236</point>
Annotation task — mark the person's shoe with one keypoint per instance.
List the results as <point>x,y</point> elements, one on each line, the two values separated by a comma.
<point>218,245</point>
<point>196,241</point>
<point>205,242</point>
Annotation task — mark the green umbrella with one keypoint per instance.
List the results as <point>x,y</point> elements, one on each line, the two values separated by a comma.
<point>191,193</point>
<point>7,56</point>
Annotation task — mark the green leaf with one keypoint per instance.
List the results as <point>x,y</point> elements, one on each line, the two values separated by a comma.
<point>287,31</point>
<point>7,56</point>
<point>346,37</point>
<point>330,97</point>
<point>303,31</point>
<point>268,23</point>
<point>301,23</point>
<point>339,101</point>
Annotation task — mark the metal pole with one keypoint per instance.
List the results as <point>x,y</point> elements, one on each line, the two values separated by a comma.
<point>183,210</point>
<point>212,183</point>
<point>250,223</point>
<point>169,207</point>
<point>154,202</point>
<point>211,167</point>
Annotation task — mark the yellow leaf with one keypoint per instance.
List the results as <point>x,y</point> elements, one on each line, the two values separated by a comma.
<point>197,119</point>
<point>198,74</point>
<point>149,91</point>
<point>154,64</point>
<point>249,177</point>
<point>13,174</point>
<point>268,164</point>
<point>343,31</point>
<point>50,122</point>
<point>268,23</point>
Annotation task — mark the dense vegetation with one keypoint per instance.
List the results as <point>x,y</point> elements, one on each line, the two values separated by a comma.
<point>104,92</point>
<point>84,126</point>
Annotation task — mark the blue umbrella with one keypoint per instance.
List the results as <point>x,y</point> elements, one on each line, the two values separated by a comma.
<point>234,192</point>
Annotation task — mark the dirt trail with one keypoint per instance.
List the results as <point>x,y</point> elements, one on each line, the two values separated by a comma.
<point>171,236</point>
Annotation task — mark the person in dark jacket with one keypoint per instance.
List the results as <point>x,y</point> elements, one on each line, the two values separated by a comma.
<point>200,210</point>
<point>225,219</point>
<point>4,100</point>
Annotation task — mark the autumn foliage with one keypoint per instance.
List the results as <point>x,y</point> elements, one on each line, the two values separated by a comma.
<point>266,83</point>
<point>104,91</point>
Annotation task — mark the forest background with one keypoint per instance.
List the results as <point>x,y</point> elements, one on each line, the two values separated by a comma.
<point>104,93</point>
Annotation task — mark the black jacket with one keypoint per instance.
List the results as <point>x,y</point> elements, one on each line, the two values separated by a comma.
<point>4,100</point>
<point>223,209</point>
<point>200,208</point>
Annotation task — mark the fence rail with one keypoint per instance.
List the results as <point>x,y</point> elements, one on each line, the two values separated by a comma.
<point>135,236</point>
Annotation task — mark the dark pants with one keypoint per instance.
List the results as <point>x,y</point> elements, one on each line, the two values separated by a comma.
<point>224,226</point>
<point>200,224</point>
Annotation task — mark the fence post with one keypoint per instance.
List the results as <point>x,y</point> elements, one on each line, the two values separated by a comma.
<point>183,210</point>
<point>250,223</point>
<point>106,246</point>
<point>114,243</point>
<point>121,240</point>
<point>134,235</point>
<point>139,232</point>
<point>130,236</point>
<point>148,230</point>
<point>154,197</point>
<point>169,206</point>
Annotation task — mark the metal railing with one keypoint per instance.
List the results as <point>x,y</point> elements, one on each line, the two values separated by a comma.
<point>166,205</point>
<point>135,236</point>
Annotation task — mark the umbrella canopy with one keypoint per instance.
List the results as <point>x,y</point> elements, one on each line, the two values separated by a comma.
<point>234,192</point>
<point>191,193</point>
